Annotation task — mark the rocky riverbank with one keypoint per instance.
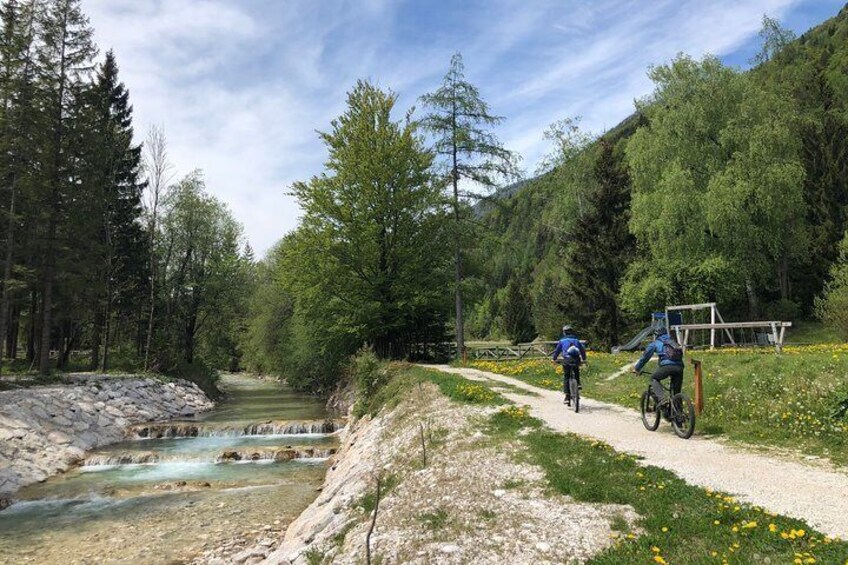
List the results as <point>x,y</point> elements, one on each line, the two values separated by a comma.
<point>46,430</point>
<point>476,500</point>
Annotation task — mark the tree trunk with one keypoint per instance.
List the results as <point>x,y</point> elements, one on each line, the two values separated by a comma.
<point>460,325</point>
<point>14,332</point>
<point>107,327</point>
<point>60,352</point>
<point>47,308</point>
<point>31,334</point>
<point>7,274</point>
<point>96,340</point>
<point>783,277</point>
<point>753,300</point>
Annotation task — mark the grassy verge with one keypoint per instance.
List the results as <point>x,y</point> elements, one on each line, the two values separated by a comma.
<point>681,524</point>
<point>757,397</point>
<point>399,378</point>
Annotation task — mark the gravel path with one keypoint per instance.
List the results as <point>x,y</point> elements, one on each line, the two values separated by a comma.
<point>818,496</point>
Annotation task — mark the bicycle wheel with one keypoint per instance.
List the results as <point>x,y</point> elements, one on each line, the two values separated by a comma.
<point>575,393</point>
<point>682,416</point>
<point>650,411</point>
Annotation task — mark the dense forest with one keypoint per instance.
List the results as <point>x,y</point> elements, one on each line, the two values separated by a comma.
<point>108,261</point>
<point>724,186</point>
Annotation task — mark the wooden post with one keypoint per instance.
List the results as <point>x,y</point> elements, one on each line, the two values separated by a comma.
<point>712,330</point>
<point>699,388</point>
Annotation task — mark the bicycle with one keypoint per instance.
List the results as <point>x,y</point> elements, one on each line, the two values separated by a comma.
<point>679,411</point>
<point>572,387</point>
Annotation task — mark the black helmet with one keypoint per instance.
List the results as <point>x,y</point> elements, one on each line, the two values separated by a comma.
<point>660,331</point>
<point>567,329</point>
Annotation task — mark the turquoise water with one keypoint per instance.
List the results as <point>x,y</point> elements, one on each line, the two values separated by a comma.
<point>170,510</point>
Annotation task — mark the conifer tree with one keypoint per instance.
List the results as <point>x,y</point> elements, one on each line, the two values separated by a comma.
<point>601,249</point>
<point>459,121</point>
<point>113,163</point>
<point>17,112</point>
<point>65,57</point>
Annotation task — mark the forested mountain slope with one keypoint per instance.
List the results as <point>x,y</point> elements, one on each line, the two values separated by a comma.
<point>724,185</point>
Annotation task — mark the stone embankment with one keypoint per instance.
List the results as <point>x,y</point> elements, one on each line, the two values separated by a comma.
<point>476,500</point>
<point>46,430</point>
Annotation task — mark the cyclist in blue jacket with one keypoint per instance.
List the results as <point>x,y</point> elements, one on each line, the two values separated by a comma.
<point>670,357</point>
<point>573,353</point>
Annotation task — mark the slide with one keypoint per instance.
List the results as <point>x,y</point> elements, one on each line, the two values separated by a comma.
<point>634,343</point>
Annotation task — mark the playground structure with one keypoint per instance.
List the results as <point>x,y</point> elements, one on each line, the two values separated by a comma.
<point>712,332</point>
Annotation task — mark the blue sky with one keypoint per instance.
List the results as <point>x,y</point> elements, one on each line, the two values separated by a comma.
<point>240,86</point>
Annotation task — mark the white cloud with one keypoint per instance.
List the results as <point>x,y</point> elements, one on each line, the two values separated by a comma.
<point>240,86</point>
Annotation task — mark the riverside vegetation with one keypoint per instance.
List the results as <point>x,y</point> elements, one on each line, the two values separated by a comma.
<point>678,523</point>
<point>791,401</point>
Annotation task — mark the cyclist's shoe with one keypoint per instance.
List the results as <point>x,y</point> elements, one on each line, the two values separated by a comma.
<point>567,401</point>
<point>579,387</point>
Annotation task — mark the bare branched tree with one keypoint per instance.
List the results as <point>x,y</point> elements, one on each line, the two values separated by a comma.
<point>159,173</point>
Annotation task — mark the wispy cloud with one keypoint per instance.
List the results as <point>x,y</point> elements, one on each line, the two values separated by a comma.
<point>242,85</point>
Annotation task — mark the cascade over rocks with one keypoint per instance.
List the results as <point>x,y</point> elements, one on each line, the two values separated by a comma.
<point>46,430</point>
<point>167,430</point>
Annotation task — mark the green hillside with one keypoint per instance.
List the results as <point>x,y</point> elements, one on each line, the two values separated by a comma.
<point>736,192</point>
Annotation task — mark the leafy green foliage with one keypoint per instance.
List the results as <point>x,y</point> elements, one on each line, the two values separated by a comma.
<point>832,306</point>
<point>369,263</point>
<point>516,312</point>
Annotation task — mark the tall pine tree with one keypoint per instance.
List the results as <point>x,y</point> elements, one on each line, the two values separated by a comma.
<point>65,57</point>
<point>459,120</point>
<point>17,113</point>
<point>601,249</point>
<point>113,163</point>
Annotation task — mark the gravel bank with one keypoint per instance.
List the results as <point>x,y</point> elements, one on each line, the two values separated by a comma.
<point>476,501</point>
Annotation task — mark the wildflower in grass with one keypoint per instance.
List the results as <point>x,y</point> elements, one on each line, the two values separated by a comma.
<point>659,559</point>
<point>655,549</point>
<point>772,528</point>
<point>664,529</point>
<point>750,525</point>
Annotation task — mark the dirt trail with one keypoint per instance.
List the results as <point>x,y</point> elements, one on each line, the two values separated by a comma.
<point>817,495</point>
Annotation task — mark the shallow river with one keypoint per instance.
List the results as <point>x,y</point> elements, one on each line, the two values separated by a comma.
<point>244,470</point>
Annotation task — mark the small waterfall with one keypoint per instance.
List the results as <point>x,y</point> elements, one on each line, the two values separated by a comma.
<point>276,455</point>
<point>270,428</point>
<point>247,455</point>
<point>123,458</point>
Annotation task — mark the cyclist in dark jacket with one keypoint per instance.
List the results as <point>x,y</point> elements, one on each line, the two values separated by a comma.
<point>668,368</point>
<point>573,353</point>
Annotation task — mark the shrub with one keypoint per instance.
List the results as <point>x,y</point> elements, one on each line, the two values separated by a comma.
<point>200,374</point>
<point>784,310</point>
<point>368,374</point>
<point>832,305</point>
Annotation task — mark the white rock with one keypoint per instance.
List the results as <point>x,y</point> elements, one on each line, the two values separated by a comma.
<point>543,547</point>
<point>449,549</point>
<point>499,493</point>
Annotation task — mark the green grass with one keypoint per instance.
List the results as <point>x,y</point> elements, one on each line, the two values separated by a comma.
<point>758,397</point>
<point>434,521</point>
<point>685,524</point>
<point>680,523</point>
<point>368,501</point>
<point>404,378</point>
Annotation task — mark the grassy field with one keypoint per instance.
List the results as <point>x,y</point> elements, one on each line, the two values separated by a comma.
<point>783,400</point>
<point>681,524</point>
